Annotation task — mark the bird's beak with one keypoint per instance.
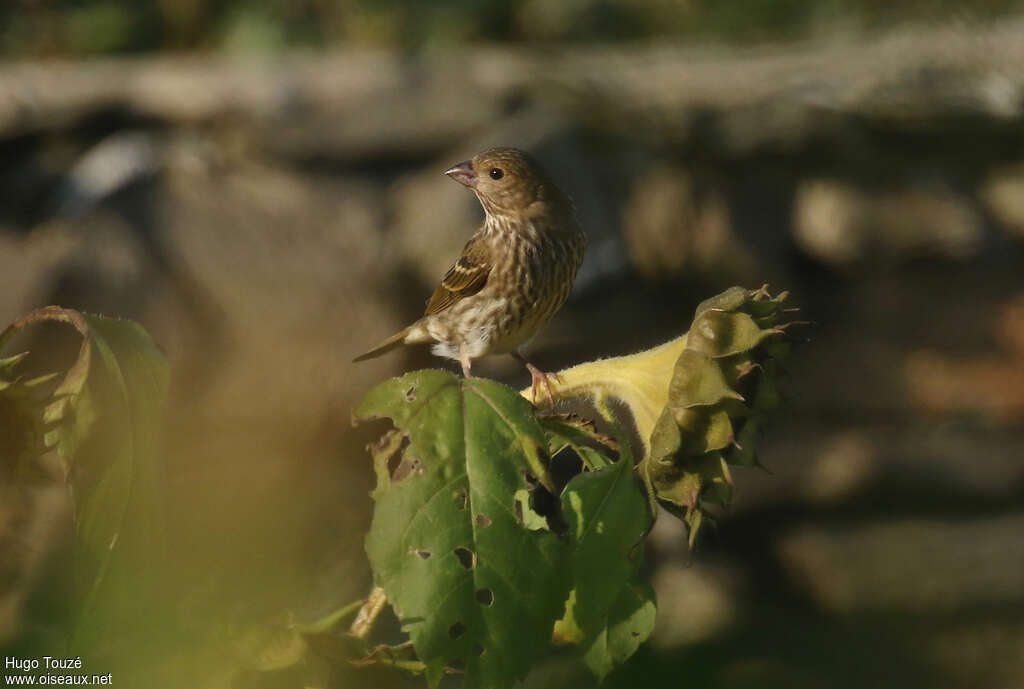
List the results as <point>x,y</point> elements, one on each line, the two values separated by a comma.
<point>463,174</point>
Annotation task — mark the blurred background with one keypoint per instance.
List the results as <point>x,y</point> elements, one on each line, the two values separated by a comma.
<point>258,182</point>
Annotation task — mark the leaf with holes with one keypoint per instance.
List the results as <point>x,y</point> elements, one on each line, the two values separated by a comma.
<point>471,585</point>
<point>608,517</point>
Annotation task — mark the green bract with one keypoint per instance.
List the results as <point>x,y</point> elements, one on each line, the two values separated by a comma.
<point>722,388</point>
<point>700,401</point>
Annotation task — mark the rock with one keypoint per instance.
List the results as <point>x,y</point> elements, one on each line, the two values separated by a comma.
<point>694,604</point>
<point>987,651</point>
<point>411,113</point>
<point>839,224</point>
<point>747,99</point>
<point>27,266</point>
<point>828,221</point>
<point>1002,192</point>
<point>289,266</point>
<point>918,566</point>
<point>121,159</point>
<point>433,219</point>
<point>672,229</point>
<point>847,463</point>
<point>991,384</point>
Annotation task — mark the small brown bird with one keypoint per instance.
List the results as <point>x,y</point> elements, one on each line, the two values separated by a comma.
<point>514,273</point>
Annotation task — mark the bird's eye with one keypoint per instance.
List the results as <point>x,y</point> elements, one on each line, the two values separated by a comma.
<point>497,173</point>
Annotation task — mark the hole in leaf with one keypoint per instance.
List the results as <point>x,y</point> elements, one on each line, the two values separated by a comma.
<point>531,480</point>
<point>485,597</point>
<point>409,466</point>
<point>456,630</point>
<point>393,463</point>
<point>467,558</point>
<point>424,554</point>
<point>394,446</point>
<point>478,649</point>
<point>542,457</point>
<point>410,394</point>
<point>461,499</point>
<point>483,521</point>
<point>565,465</point>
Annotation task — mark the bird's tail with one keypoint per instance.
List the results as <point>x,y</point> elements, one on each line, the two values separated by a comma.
<point>396,340</point>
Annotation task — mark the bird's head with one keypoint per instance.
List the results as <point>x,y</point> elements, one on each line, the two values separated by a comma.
<point>508,182</point>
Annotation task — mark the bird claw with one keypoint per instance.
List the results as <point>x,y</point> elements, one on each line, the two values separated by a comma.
<point>539,378</point>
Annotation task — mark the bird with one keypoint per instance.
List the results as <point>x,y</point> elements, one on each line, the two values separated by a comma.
<point>514,273</point>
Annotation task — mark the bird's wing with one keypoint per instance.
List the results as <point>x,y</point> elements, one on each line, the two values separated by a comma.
<point>467,277</point>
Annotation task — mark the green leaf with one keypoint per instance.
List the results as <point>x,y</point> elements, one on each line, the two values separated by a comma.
<point>630,622</point>
<point>117,478</point>
<point>527,516</point>
<point>471,585</point>
<point>580,435</point>
<point>105,419</point>
<point>389,445</point>
<point>608,518</point>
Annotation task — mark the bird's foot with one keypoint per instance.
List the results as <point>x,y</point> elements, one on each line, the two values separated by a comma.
<point>542,378</point>
<point>465,362</point>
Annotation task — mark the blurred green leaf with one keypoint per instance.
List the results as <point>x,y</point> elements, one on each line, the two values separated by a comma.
<point>117,475</point>
<point>104,420</point>
<point>22,426</point>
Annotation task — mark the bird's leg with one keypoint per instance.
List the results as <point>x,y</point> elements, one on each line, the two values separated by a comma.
<point>539,377</point>
<point>467,363</point>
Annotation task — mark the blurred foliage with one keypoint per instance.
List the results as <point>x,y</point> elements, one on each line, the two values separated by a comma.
<point>80,27</point>
<point>486,547</point>
<point>103,420</point>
